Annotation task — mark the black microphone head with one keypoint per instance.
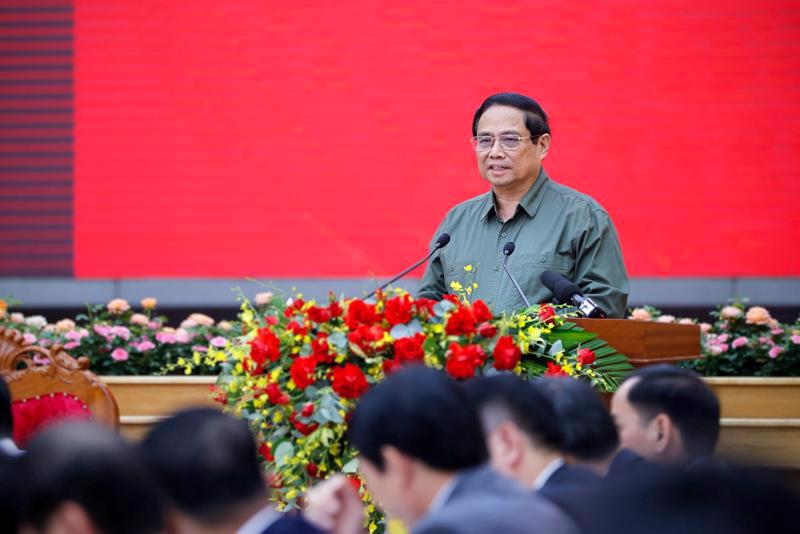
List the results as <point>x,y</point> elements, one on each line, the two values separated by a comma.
<point>508,248</point>
<point>561,287</point>
<point>442,240</point>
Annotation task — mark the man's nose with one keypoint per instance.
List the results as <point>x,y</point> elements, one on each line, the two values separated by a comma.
<point>496,151</point>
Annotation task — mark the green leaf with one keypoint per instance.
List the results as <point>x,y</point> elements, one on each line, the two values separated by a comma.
<point>283,452</point>
<point>351,466</point>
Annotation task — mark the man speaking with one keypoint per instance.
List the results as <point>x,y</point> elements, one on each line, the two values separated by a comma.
<point>552,226</point>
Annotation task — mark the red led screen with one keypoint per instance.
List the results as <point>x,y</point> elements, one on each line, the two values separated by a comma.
<point>328,139</point>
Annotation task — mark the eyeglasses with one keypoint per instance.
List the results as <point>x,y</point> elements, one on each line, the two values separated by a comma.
<point>484,143</point>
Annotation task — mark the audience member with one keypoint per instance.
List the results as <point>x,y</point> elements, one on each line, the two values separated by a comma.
<point>207,466</point>
<point>79,478</point>
<point>524,435</point>
<point>9,458</point>
<point>7,446</point>
<point>667,415</point>
<point>589,437</point>
<point>423,454</point>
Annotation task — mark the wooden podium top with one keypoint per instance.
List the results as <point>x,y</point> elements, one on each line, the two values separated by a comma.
<point>647,342</point>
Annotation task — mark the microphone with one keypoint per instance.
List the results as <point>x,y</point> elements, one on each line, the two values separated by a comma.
<point>508,250</point>
<point>441,242</point>
<point>565,291</point>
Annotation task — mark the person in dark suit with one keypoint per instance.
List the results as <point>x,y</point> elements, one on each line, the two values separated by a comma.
<point>423,457</point>
<point>207,466</point>
<point>9,458</point>
<point>80,478</point>
<point>524,436</point>
<point>667,415</point>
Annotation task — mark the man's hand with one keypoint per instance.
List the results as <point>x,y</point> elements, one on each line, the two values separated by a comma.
<point>335,506</point>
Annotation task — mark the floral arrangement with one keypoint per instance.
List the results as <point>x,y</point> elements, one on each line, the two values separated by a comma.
<point>742,341</point>
<point>121,341</point>
<point>298,369</point>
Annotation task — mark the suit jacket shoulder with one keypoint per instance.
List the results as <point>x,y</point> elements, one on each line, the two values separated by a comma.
<point>291,524</point>
<point>483,501</point>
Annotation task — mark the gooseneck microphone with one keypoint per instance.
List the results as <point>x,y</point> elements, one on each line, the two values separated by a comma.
<point>508,250</point>
<point>567,292</point>
<point>441,242</point>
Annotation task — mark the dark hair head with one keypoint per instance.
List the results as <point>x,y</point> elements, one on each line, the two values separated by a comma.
<point>93,467</point>
<point>683,396</point>
<point>206,462</point>
<point>535,117</point>
<point>506,397</point>
<point>586,425</point>
<point>6,419</point>
<point>423,413</point>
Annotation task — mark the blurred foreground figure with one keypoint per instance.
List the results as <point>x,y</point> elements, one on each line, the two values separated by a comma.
<point>667,415</point>
<point>703,500</point>
<point>422,455</point>
<point>79,478</point>
<point>9,459</point>
<point>206,463</point>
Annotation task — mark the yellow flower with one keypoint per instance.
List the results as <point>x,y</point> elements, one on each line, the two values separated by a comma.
<point>277,417</point>
<point>456,285</point>
<point>468,268</point>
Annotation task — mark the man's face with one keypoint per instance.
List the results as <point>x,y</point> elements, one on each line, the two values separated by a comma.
<point>634,433</point>
<point>388,488</point>
<point>508,169</point>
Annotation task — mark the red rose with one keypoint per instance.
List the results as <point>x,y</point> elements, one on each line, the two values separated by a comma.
<point>364,336</point>
<point>266,452</point>
<point>547,314</point>
<point>252,367</point>
<point>321,350</point>
<point>462,361</point>
<point>487,330</point>
<point>271,320</point>
<point>296,328</point>
<point>506,354</point>
<point>398,310</point>
<point>481,311</point>
<point>311,469</point>
<point>355,482</point>
<point>303,428</point>
<point>335,309</point>
<point>359,312</point>
<point>409,349</point>
<point>266,346</point>
<point>319,314</point>
<point>554,370</point>
<point>275,395</point>
<point>451,298</point>
<point>586,356</point>
<point>390,366</point>
<point>349,381</point>
<point>308,409</point>
<point>302,371</point>
<point>460,323</point>
<point>295,307</point>
<point>425,306</point>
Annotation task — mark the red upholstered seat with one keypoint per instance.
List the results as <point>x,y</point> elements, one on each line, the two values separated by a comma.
<point>34,414</point>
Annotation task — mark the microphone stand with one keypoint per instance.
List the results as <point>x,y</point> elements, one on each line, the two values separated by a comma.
<point>436,247</point>
<point>506,254</point>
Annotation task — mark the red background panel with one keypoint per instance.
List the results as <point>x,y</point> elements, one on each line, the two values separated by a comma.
<point>328,139</point>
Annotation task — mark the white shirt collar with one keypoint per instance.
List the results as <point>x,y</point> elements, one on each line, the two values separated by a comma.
<point>547,472</point>
<point>8,446</point>
<point>260,521</point>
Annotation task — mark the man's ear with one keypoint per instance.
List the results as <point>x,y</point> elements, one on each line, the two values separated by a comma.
<point>664,431</point>
<point>512,444</point>
<point>398,465</point>
<point>543,145</point>
<point>70,518</point>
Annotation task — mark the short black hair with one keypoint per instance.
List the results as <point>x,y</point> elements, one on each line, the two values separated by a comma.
<point>423,413</point>
<point>683,396</point>
<point>522,401</point>
<point>588,430</point>
<point>93,467</point>
<point>6,417</point>
<point>535,118</point>
<point>206,462</point>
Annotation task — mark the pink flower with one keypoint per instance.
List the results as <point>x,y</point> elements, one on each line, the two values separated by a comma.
<point>705,328</point>
<point>121,332</point>
<point>139,319</point>
<point>74,335</point>
<point>723,338</point>
<point>716,350</point>
<point>119,355</point>
<point>144,346</point>
<point>796,339</point>
<point>166,337</point>
<point>757,315</point>
<point>740,341</point>
<point>29,338</point>
<point>200,348</point>
<point>45,342</point>
<point>730,312</point>
<point>665,319</point>
<point>641,314</point>
<point>118,306</point>
<point>777,331</point>
<point>182,336</point>
<point>71,345</point>
<point>686,320</point>
<point>40,360</point>
<point>774,351</point>
<point>218,342</point>
<point>102,330</point>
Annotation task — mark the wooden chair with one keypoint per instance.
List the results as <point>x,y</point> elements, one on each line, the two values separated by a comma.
<point>65,380</point>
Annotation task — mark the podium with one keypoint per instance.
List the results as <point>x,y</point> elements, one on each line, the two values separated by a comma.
<point>647,342</point>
